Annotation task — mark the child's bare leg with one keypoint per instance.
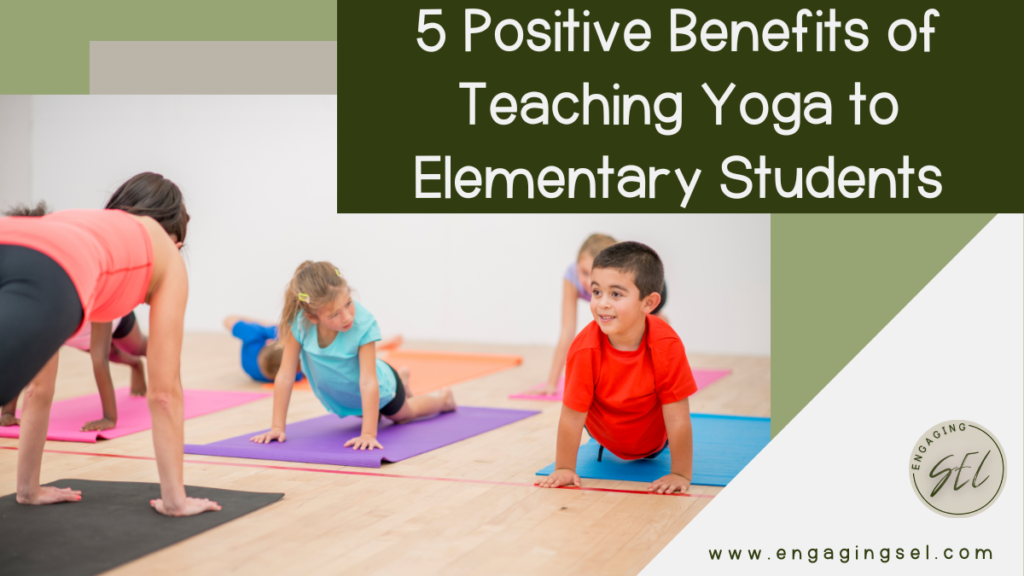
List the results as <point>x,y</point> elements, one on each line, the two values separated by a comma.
<point>35,417</point>
<point>7,413</point>
<point>425,405</point>
<point>138,369</point>
<point>403,375</point>
<point>134,343</point>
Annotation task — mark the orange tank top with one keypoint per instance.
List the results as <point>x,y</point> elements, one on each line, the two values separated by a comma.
<point>108,255</point>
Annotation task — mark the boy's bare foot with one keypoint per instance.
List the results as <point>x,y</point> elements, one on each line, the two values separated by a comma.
<point>50,495</point>
<point>9,420</point>
<point>138,379</point>
<point>403,375</point>
<point>447,400</point>
<point>97,425</point>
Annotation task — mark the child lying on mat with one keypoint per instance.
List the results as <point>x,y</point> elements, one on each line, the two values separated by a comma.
<point>335,338</point>
<point>120,341</point>
<point>628,381</point>
<point>576,286</point>
<point>261,350</point>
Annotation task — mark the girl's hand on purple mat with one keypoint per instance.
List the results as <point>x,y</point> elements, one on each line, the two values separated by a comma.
<point>191,507</point>
<point>267,437</point>
<point>364,442</point>
<point>670,484</point>
<point>559,478</point>
<point>51,495</point>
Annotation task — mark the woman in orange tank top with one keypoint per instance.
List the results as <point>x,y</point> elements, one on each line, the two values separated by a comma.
<point>62,270</point>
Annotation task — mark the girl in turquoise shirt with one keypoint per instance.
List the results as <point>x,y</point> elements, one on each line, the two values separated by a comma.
<point>335,339</point>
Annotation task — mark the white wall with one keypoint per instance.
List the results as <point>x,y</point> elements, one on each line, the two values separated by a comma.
<point>260,177</point>
<point>15,145</point>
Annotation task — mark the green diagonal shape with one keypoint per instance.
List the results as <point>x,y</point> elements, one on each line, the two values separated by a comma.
<point>837,280</point>
<point>44,45</point>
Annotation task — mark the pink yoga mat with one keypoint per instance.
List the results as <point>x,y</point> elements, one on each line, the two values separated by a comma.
<point>68,416</point>
<point>704,379</point>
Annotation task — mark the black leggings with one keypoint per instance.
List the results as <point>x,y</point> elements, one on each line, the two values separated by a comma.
<point>39,311</point>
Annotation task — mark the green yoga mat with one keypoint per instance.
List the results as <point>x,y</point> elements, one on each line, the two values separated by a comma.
<point>722,446</point>
<point>113,524</point>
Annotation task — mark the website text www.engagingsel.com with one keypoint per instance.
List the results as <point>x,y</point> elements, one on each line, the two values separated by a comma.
<point>844,555</point>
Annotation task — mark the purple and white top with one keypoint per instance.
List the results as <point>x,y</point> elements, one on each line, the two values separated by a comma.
<point>573,277</point>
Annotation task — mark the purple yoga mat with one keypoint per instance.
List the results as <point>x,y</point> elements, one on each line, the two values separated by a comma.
<point>322,440</point>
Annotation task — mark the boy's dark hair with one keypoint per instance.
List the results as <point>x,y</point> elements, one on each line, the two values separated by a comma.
<point>152,195</point>
<point>40,209</point>
<point>636,259</point>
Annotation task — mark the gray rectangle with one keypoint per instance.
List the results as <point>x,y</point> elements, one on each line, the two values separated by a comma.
<point>213,67</point>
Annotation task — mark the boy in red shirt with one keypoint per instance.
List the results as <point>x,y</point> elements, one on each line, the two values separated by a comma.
<point>627,379</point>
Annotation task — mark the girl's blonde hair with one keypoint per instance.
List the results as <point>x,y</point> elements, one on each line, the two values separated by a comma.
<point>594,244</point>
<point>314,285</point>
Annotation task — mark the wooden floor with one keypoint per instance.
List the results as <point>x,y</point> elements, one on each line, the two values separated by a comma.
<point>334,524</point>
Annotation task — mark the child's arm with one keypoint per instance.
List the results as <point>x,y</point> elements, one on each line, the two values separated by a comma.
<point>680,446</point>
<point>99,349</point>
<point>570,429</point>
<point>369,391</point>
<point>283,383</point>
<point>566,336</point>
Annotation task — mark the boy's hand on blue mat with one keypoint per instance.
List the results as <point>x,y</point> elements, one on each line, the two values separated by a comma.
<point>50,495</point>
<point>364,442</point>
<point>190,507</point>
<point>560,477</point>
<point>670,484</point>
<point>267,437</point>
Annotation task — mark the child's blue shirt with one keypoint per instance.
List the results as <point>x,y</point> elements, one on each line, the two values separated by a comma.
<point>333,372</point>
<point>254,337</point>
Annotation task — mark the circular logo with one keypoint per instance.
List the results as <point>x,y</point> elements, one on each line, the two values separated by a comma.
<point>957,468</point>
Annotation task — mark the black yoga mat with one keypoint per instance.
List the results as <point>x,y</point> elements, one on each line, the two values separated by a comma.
<point>113,524</point>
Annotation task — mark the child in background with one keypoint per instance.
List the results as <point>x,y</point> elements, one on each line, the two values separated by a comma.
<point>261,352</point>
<point>121,341</point>
<point>335,338</point>
<point>628,381</point>
<point>576,286</point>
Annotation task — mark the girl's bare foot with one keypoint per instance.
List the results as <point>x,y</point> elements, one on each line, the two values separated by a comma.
<point>390,343</point>
<point>9,420</point>
<point>138,379</point>
<point>190,507</point>
<point>447,400</point>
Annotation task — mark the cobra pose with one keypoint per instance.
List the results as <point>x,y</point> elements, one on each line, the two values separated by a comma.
<point>62,270</point>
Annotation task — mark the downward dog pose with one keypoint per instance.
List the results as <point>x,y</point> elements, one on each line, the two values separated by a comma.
<point>627,380</point>
<point>335,339</point>
<point>75,266</point>
<point>121,341</point>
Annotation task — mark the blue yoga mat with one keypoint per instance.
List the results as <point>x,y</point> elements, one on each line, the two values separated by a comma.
<point>722,446</point>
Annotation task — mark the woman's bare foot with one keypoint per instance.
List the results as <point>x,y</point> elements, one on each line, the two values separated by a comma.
<point>9,420</point>
<point>50,495</point>
<point>97,425</point>
<point>447,400</point>
<point>191,507</point>
<point>138,379</point>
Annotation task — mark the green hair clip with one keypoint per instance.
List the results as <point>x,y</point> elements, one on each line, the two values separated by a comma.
<point>304,297</point>
<point>338,272</point>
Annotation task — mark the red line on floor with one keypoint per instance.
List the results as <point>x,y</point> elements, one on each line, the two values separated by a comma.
<point>355,473</point>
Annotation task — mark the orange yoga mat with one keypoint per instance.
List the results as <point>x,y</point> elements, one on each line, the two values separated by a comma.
<point>431,370</point>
